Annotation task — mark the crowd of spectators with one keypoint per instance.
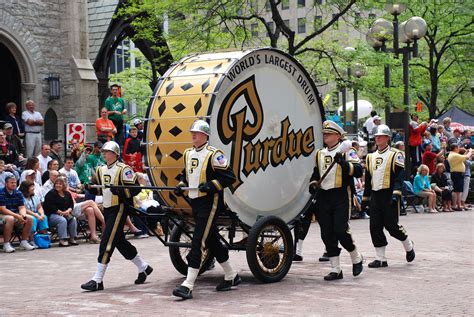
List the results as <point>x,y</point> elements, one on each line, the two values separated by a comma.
<point>42,191</point>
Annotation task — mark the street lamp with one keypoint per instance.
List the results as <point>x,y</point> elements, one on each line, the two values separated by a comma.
<point>357,71</point>
<point>408,32</point>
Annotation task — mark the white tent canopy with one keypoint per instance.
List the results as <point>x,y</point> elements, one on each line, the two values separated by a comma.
<point>364,108</point>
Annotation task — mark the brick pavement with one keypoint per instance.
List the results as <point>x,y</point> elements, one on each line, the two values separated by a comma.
<point>439,282</point>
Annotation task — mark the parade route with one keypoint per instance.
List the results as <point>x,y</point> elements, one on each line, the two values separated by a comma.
<point>439,282</point>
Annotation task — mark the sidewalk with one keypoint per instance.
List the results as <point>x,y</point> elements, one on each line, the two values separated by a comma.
<point>439,282</point>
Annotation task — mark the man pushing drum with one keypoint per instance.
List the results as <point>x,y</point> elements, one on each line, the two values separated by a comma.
<point>206,173</point>
<point>332,185</point>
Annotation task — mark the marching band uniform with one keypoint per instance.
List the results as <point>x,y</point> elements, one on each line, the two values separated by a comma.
<point>334,200</point>
<point>383,188</point>
<point>207,173</point>
<point>114,202</point>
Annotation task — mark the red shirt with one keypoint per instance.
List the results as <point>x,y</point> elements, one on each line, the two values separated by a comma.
<point>429,159</point>
<point>415,135</point>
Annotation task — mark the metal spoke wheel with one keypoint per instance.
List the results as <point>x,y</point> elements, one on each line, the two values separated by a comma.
<point>178,254</point>
<point>270,249</point>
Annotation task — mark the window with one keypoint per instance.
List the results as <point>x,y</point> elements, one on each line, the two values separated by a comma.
<point>301,25</point>
<point>371,18</point>
<point>271,26</point>
<point>357,19</point>
<point>285,4</point>
<point>336,24</point>
<point>318,2</point>
<point>254,29</point>
<point>287,22</point>
<point>318,22</point>
<point>301,3</point>
<point>267,6</point>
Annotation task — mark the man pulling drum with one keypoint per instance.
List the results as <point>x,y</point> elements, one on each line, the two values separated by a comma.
<point>207,172</point>
<point>383,190</point>
<point>115,212</point>
<point>332,185</point>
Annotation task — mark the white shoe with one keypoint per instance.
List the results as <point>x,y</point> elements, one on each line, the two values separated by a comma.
<point>26,246</point>
<point>33,244</point>
<point>7,247</point>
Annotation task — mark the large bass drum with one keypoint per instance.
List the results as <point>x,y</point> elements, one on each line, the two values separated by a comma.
<point>265,114</point>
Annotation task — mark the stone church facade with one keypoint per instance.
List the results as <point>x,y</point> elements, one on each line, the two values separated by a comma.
<point>40,38</point>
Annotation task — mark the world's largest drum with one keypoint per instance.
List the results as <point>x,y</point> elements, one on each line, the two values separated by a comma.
<point>265,114</point>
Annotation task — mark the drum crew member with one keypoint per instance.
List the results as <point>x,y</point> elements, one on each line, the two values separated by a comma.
<point>115,203</point>
<point>334,198</point>
<point>383,186</point>
<point>207,173</point>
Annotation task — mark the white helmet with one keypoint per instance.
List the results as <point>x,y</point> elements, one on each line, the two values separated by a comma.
<point>111,146</point>
<point>383,130</point>
<point>201,126</point>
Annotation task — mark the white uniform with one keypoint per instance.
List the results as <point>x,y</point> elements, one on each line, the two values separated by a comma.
<point>196,160</point>
<point>115,174</point>
<point>324,159</point>
<point>381,164</point>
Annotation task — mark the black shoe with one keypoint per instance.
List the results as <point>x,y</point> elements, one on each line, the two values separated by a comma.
<point>93,286</point>
<point>324,257</point>
<point>377,264</point>
<point>411,254</point>
<point>183,292</point>
<point>357,268</point>
<point>142,276</point>
<point>333,276</point>
<point>226,285</point>
<point>297,258</point>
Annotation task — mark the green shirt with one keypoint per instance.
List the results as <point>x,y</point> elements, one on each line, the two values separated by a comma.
<point>86,168</point>
<point>115,104</point>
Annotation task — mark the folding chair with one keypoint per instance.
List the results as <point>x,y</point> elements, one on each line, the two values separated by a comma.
<point>409,197</point>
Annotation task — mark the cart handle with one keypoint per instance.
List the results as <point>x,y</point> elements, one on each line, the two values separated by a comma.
<point>140,187</point>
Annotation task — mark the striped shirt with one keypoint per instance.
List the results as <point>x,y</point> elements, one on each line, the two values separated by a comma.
<point>12,201</point>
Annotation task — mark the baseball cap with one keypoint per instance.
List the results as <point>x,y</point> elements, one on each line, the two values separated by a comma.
<point>7,126</point>
<point>29,172</point>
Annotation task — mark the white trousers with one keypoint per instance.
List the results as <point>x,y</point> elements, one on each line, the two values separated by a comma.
<point>32,144</point>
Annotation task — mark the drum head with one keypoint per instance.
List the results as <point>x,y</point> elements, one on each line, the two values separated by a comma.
<point>266,117</point>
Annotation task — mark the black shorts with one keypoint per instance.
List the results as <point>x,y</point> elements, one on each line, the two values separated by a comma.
<point>458,181</point>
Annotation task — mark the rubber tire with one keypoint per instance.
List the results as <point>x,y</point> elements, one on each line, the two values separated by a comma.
<point>252,260</point>
<point>180,263</point>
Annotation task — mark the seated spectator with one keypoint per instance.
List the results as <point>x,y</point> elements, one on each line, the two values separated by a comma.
<point>457,169</point>
<point>456,138</point>
<point>44,158</point>
<point>76,150</point>
<point>132,152</point>
<point>138,123</point>
<point>53,165</point>
<point>105,128</point>
<point>56,146</point>
<point>30,175</point>
<point>439,183</point>
<point>58,206</point>
<point>429,158</point>
<point>34,209</point>
<point>32,164</point>
<point>466,141</point>
<point>13,213</point>
<point>5,170</point>
<point>14,140</point>
<point>49,184</point>
<point>88,210</point>
<point>422,187</point>
<point>88,162</point>
<point>74,184</point>
<point>400,145</point>
<point>8,153</point>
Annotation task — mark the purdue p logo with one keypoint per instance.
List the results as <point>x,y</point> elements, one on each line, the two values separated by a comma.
<point>378,162</point>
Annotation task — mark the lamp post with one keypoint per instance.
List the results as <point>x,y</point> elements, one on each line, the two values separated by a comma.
<point>408,32</point>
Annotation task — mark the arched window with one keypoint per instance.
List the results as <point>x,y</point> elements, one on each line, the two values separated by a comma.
<point>50,125</point>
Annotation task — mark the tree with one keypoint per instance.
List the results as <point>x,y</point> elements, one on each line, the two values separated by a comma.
<point>441,76</point>
<point>135,84</point>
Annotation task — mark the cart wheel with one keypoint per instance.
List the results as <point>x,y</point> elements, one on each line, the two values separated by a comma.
<point>270,249</point>
<point>178,255</point>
